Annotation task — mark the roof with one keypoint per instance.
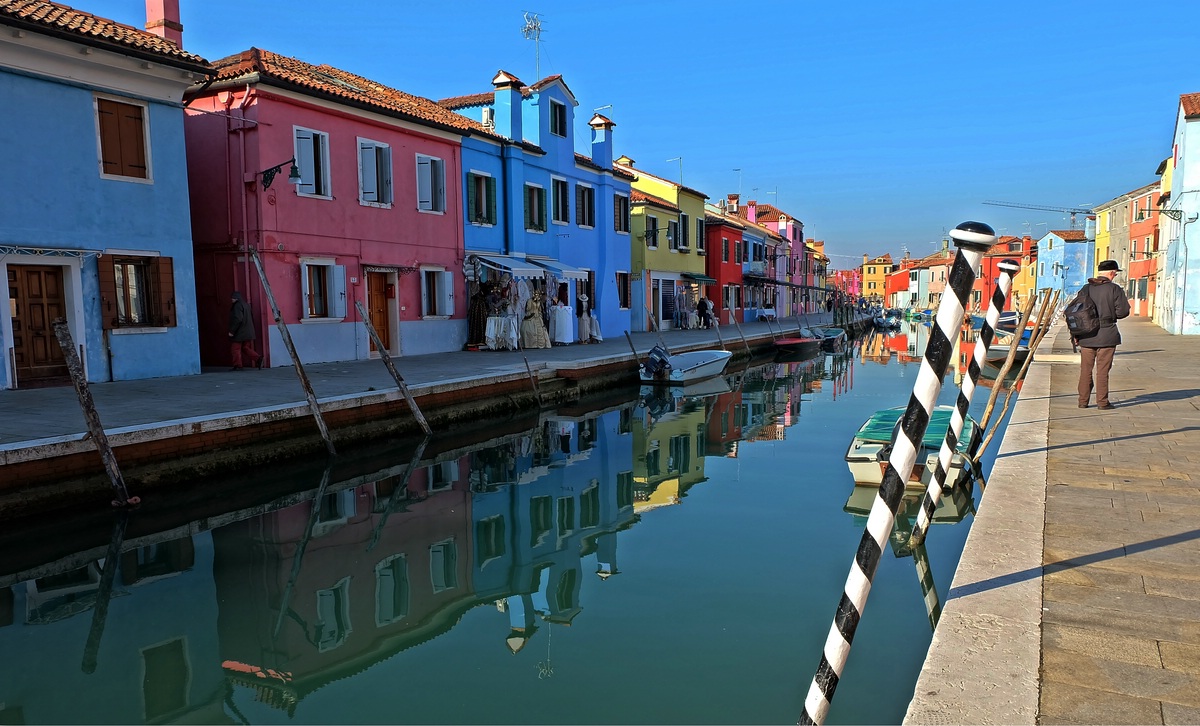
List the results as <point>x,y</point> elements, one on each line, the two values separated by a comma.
<point>455,103</point>
<point>1191,104</point>
<point>728,220</point>
<point>1069,235</point>
<point>49,18</point>
<point>587,161</point>
<point>342,86</point>
<point>635,170</point>
<point>637,197</point>
<point>764,212</point>
<point>882,259</point>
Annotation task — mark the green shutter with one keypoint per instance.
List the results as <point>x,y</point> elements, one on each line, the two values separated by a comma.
<point>471,214</point>
<point>542,210</point>
<point>491,200</point>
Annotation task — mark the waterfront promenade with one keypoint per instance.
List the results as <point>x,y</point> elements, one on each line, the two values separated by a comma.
<point>1077,599</point>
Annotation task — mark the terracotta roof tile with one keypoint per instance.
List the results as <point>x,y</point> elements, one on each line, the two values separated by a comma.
<point>1069,235</point>
<point>455,103</point>
<point>677,185</point>
<point>587,161</point>
<point>637,197</point>
<point>1191,104</point>
<point>343,86</point>
<point>54,18</point>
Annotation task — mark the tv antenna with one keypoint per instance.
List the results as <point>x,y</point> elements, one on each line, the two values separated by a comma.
<point>533,31</point>
<point>1073,211</point>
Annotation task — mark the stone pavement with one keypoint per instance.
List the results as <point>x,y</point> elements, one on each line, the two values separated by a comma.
<point>1077,599</point>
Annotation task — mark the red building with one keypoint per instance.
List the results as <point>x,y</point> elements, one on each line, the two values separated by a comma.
<point>722,233</point>
<point>1143,248</point>
<point>1007,247</point>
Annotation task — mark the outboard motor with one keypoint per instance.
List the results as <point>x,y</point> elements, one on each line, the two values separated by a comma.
<point>658,362</point>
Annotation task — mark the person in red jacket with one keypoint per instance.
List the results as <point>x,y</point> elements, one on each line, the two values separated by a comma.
<point>1096,351</point>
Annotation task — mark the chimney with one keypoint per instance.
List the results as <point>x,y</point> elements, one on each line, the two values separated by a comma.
<point>162,19</point>
<point>602,142</point>
<point>508,105</point>
<point>752,210</point>
<point>865,258</point>
<point>732,202</point>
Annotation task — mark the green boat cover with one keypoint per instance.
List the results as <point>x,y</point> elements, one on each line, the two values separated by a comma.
<point>881,425</point>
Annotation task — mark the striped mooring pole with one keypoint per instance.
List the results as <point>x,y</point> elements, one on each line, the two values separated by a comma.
<point>1008,269</point>
<point>972,240</point>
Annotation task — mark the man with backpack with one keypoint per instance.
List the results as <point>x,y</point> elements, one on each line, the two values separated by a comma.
<point>1097,348</point>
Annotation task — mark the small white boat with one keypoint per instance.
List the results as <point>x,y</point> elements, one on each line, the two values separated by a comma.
<point>868,454</point>
<point>676,369</point>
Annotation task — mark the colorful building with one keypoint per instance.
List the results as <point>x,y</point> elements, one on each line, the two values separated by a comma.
<point>1180,282</point>
<point>1140,265</point>
<point>537,209</point>
<point>724,230</point>
<point>874,276</point>
<point>1007,247</point>
<point>94,205</point>
<point>1065,261</point>
<point>667,221</point>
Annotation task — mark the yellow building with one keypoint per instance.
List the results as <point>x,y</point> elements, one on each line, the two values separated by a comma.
<point>668,454</point>
<point>1106,216</point>
<point>874,276</point>
<point>667,256</point>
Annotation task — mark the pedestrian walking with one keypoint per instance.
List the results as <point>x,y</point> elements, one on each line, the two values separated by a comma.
<point>702,307</point>
<point>1096,350</point>
<point>241,334</point>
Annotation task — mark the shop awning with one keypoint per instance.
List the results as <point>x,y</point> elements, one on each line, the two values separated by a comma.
<point>516,266</point>
<point>561,269</point>
<point>696,277</point>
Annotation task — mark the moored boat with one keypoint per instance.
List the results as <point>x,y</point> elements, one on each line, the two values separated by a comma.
<point>661,367</point>
<point>799,346</point>
<point>871,446</point>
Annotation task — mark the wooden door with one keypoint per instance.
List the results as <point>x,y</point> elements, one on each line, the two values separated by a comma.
<point>377,308</point>
<point>35,299</point>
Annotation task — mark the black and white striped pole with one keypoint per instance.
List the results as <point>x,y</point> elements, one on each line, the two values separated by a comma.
<point>972,240</point>
<point>1008,269</point>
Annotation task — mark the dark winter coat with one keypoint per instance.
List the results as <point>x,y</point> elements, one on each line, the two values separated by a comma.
<point>241,325</point>
<point>1112,305</point>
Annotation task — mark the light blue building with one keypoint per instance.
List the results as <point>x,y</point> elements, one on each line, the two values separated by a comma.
<point>1066,259</point>
<point>539,210</point>
<point>1179,282</point>
<point>94,216</point>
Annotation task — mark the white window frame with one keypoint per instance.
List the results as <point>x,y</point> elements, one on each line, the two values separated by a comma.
<point>315,183</point>
<point>651,224</point>
<point>431,184</point>
<point>488,182</point>
<point>673,235</point>
<point>444,304</point>
<point>445,554</point>
<point>555,112</point>
<point>328,607</point>
<point>536,218</point>
<point>387,609</point>
<point>149,178</point>
<point>374,174</point>
<point>335,285</point>
<point>558,183</point>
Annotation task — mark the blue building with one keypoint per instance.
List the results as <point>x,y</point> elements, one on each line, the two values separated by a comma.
<point>1065,262</point>
<point>94,216</point>
<point>539,210</point>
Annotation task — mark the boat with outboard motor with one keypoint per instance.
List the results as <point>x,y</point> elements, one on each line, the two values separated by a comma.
<point>663,368</point>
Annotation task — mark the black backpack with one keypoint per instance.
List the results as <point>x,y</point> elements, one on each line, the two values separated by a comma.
<point>1083,319</point>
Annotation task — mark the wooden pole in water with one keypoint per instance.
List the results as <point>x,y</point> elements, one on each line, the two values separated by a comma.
<point>533,379</point>
<point>291,349</point>
<point>740,333</point>
<point>654,324</point>
<point>401,487</point>
<point>104,591</point>
<point>95,428</point>
<point>387,362</point>
<point>1004,368</point>
<point>972,240</point>
<point>313,516</point>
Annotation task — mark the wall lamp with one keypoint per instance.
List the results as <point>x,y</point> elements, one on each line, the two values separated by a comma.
<point>268,175</point>
<point>1175,214</point>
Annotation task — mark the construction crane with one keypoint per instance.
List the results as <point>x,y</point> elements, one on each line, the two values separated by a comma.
<point>1045,208</point>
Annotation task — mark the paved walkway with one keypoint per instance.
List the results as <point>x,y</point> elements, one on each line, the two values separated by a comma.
<point>1077,599</point>
<point>34,415</point>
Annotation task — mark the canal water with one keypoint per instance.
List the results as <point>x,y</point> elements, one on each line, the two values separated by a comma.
<point>659,560</point>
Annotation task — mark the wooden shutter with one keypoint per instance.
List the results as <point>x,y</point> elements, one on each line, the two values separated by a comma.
<point>424,183</point>
<point>616,213</point>
<point>542,209</point>
<point>491,200</point>
<point>110,138</point>
<point>383,167</point>
<point>163,269</point>
<point>133,141</point>
<point>108,292</point>
<point>337,291</point>
<point>305,155</point>
<point>368,172</point>
<point>438,185</point>
<point>472,215</point>
<point>528,207</point>
<point>579,220</point>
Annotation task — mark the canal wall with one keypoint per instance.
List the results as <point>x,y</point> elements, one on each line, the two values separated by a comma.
<point>984,662</point>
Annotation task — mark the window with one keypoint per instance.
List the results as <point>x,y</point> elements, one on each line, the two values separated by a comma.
<point>562,204</point>
<point>323,289</point>
<point>165,680</point>
<point>535,208</point>
<point>624,489</point>
<point>122,128</point>
<point>737,250</point>
<point>870,270</point>
<point>566,516</point>
<point>333,616</point>
<point>437,293</point>
<point>651,231</point>
<point>374,173</point>
<point>481,199</point>
<point>392,592</point>
<point>673,234</point>
<point>685,228</point>
<point>621,213</point>
<point>539,519</point>
<point>585,206</point>
<point>558,118</point>
<point>443,565</point>
<point>589,506</point>
<point>724,249</point>
<point>490,539</point>
<point>624,291</point>
<point>312,159</point>
<point>431,184</point>
<point>701,242</point>
<point>136,291</point>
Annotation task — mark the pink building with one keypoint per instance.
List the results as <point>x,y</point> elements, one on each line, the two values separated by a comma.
<point>349,192</point>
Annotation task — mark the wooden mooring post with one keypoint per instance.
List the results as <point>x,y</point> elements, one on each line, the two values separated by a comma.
<point>291,348</point>
<point>387,362</point>
<point>112,559</point>
<point>95,428</point>
<point>537,391</point>
<point>738,325</point>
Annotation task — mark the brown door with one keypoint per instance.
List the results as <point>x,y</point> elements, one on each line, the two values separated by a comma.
<point>35,300</point>
<point>377,307</point>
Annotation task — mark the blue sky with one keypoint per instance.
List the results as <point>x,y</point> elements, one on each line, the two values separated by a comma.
<point>879,123</point>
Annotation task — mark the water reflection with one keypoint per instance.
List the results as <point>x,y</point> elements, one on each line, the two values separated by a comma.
<point>247,614</point>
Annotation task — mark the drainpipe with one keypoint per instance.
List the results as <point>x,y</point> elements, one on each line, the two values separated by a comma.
<point>242,185</point>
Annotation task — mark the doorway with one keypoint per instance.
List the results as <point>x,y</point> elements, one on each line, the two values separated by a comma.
<point>377,308</point>
<point>36,299</point>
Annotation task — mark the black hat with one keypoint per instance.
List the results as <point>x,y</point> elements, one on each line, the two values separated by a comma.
<point>1109,265</point>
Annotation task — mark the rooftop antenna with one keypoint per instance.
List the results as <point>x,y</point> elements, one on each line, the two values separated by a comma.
<point>533,31</point>
<point>739,173</point>
<point>680,160</point>
<point>609,106</point>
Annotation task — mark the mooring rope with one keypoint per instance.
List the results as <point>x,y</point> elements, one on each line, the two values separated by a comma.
<point>933,494</point>
<point>972,240</point>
